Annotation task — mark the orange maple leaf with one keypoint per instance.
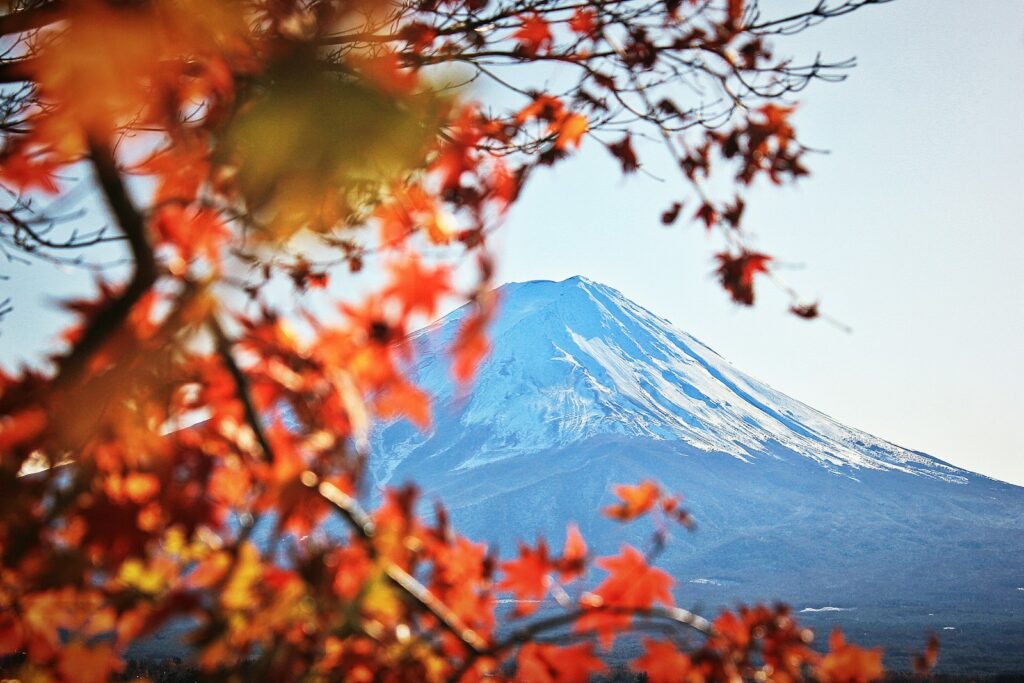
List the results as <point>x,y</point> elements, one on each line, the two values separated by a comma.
<point>527,577</point>
<point>402,399</point>
<point>849,663</point>
<point>96,664</point>
<point>354,567</point>
<point>26,172</point>
<point>387,72</point>
<point>471,344</point>
<point>731,628</point>
<point>407,209</point>
<point>584,22</point>
<point>570,130</point>
<point>662,662</point>
<point>632,584</point>
<point>534,34</point>
<point>574,555</point>
<point>636,500</point>
<point>193,232</point>
<point>543,663</point>
<point>546,107</point>
<point>180,171</point>
<point>419,288</point>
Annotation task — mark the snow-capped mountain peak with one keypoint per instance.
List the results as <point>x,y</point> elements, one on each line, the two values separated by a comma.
<point>576,360</point>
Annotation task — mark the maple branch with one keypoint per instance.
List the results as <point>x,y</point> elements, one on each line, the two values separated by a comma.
<point>17,71</point>
<point>110,318</point>
<point>241,388</point>
<point>528,633</point>
<point>363,525</point>
<point>32,18</point>
<point>349,509</point>
<point>802,20</point>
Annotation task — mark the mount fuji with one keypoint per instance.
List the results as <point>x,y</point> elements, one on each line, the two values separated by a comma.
<point>584,389</point>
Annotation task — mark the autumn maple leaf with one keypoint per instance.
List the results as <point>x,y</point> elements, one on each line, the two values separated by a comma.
<point>662,662</point>
<point>624,152</point>
<point>419,288</point>
<point>400,398</point>
<point>543,663</point>
<point>573,561</point>
<point>534,34</point>
<point>632,584</point>
<point>848,663</point>
<point>707,213</point>
<point>636,500</point>
<point>736,273</point>
<point>27,172</point>
<point>471,343</point>
<point>584,22</point>
<point>777,120</point>
<point>669,216</point>
<point>94,664</point>
<point>545,107</point>
<point>729,627</point>
<point>570,130</point>
<point>527,577</point>
<point>193,232</point>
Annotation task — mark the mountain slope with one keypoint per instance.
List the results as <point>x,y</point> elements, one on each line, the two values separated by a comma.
<point>584,389</point>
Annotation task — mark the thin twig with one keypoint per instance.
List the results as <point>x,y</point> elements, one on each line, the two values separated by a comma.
<point>130,220</point>
<point>241,388</point>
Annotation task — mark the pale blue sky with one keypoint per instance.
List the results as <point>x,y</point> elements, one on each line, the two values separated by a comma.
<point>909,231</point>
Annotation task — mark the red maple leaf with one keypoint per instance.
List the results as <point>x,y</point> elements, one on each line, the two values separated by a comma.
<point>624,152</point>
<point>849,663</point>
<point>543,663</point>
<point>636,500</point>
<point>27,172</point>
<point>193,232</point>
<point>632,584</point>
<point>584,22</point>
<point>662,662</point>
<point>534,34</point>
<point>527,577</point>
<point>402,399</point>
<point>736,273</point>
<point>574,555</point>
<point>419,288</point>
<point>707,213</point>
